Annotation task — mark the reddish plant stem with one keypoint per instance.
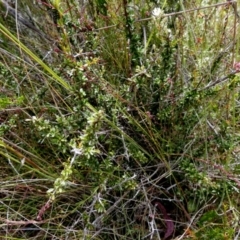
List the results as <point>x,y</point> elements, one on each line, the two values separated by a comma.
<point>167,219</point>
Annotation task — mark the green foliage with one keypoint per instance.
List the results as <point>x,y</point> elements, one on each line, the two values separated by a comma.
<point>117,109</point>
<point>219,230</point>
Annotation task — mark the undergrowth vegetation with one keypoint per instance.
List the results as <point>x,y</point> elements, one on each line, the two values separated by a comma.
<point>119,119</point>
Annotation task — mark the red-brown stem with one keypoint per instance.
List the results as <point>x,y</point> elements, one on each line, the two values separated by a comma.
<point>166,218</point>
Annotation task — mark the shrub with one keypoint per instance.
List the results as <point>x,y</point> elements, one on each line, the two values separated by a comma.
<point>117,123</point>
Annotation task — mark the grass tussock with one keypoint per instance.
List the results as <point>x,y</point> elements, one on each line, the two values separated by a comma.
<point>119,120</point>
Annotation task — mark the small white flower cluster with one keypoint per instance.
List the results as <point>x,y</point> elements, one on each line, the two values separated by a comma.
<point>157,12</point>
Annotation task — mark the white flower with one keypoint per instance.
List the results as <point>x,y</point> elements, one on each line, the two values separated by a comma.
<point>157,12</point>
<point>77,151</point>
